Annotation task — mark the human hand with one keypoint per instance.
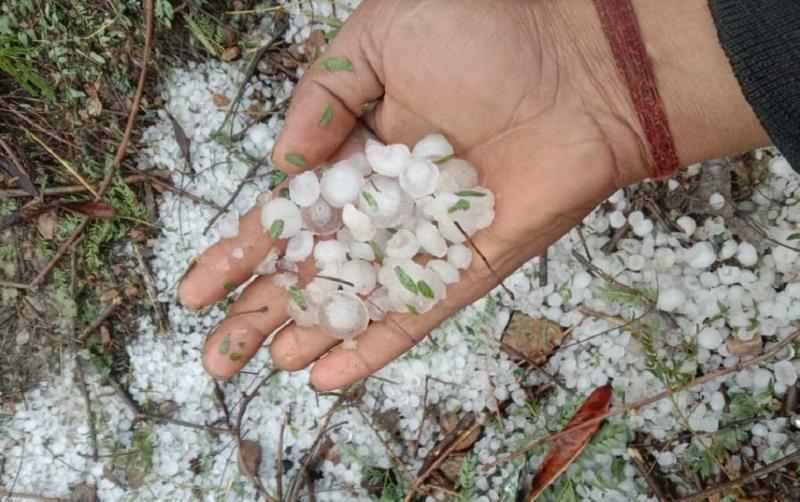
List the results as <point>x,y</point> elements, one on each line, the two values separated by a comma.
<point>526,91</point>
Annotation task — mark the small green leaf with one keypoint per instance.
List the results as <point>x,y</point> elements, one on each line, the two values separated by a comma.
<point>327,116</point>
<point>391,230</point>
<point>297,297</point>
<point>406,280</point>
<point>461,205</point>
<point>277,178</point>
<point>412,309</point>
<point>284,193</point>
<point>341,63</point>
<point>276,229</point>
<point>229,287</point>
<point>225,346</point>
<point>235,356</point>
<point>296,159</point>
<point>470,193</point>
<point>373,204</point>
<point>377,251</point>
<point>793,237</point>
<point>367,107</point>
<point>425,290</point>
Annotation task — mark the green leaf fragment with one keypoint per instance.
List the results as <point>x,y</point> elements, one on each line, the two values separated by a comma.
<point>296,159</point>
<point>278,177</point>
<point>377,251</point>
<point>470,193</point>
<point>341,63</point>
<point>373,204</point>
<point>425,290</point>
<point>327,117</point>
<point>444,159</point>
<point>793,237</point>
<point>297,297</point>
<point>461,205</point>
<point>225,346</point>
<point>235,356</point>
<point>412,309</point>
<point>276,229</point>
<point>229,287</point>
<point>406,280</point>
<point>284,193</point>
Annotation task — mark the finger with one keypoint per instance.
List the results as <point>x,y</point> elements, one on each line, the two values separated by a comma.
<point>217,271</point>
<point>260,310</point>
<point>330,96</point>
<point>295,347</point>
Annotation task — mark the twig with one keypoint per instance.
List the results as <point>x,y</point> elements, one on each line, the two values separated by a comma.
<point>31,496</point>
<point>618,235</point>
<point>424,415</point>
<point>248,72</point>
<point>62,250</point>
<point>543,268</point>
<point>619,410</point>
<point>484,259</point>
<point>116,302</point>
<point>88,402</point>
<point>579,229</point>
<point>172,188</point>
<point>436,463</point>
<point>141,415</point>
<point>647,474</point>
<point>279,460</point>
<point>137,99</point>
<point>234,195</point>
<point>537,367</point>
<point>252,476</point>
<point>67,190</point>
<point>14,160</point>
<point>760,231</point>
<point>743,480</point>
<point>386,446</point>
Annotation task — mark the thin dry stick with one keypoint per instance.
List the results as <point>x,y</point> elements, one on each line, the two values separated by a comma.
<point>62,250</point>
<point>386,445</point>
<point>67,190</point>
<point>543,268</point>
<point>436,463</point>
<point>424,415</point>
<point>88,402</point>
<point>30,496</point>
<point>652,399</point>
<point>279,460</point>
<point>484,259</point>
<point>13,156</point>
<point>224,209</point>
<point>104,315</point>
<point>253,477</point>
<point>137,99</point>
<point>172,188</point>
<point>708,493</point>
<point>647,474</point>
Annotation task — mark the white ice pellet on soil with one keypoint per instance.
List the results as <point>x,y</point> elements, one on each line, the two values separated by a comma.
<point>687,224</point>
<point>709,338</point>
<point>716,201</point>
<point>47,448</point>
<point>701,255</point>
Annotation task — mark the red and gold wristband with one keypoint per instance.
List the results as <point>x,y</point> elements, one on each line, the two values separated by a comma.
<point>621,28</point>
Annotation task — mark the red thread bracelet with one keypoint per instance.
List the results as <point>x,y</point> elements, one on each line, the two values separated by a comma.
<point>621,28</point>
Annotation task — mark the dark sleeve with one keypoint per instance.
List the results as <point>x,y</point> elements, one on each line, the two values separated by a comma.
<point>762,41</point>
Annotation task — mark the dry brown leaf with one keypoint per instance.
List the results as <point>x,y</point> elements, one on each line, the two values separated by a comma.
<point>106,341</point>
<point>741,348</point>
<point>230,53</point>
<point>220,100</point>
<point>249,457</point>
<point>313,45</point>
<point>84,492</point>
<point>564,449</point>
<point>533,338</point>
<point>97,210</point>
<point>47,223</point>
<point>94,107</point>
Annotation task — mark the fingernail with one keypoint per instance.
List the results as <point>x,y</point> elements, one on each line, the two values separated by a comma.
<point>296,159</point>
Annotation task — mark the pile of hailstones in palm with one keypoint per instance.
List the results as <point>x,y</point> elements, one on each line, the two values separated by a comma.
<point>365,219</point>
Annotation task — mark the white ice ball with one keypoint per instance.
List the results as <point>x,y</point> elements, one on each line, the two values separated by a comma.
<point>361,274</point>
<point>746,254</point>
<point>687,224</point>
<point>432,147</point>
<point>459,256</point>
<point>447,272</point>
<point>456,175</point>
<point>389,160</point>
<point>304,189</point>
<point>419,178</point>
<point>701,255</point>
<point>343,315</point>
<point>341,184</point>
<point>430,239</point>
<point>299,246</point>
<point>322,218</point>
<point>403,244</point>
<point>385,202</point>
<point>281,212</point>
<point>359,224</point>
<point>329,253</point>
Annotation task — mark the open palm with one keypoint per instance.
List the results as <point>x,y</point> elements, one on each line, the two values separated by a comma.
<point>550,136</point>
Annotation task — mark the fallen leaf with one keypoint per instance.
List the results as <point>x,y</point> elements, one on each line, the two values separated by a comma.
<point>566,448</point>
<point>47,223</point>
<point>220,100</point>
<point>84,492</point>
<point>230,53</point>
<point>22,179</point>
<point>741,348</point>
<point>183,141</point>
<point>106,342</point>
<point>313,45</point>
<point>97,210</point>
<point>94,106</point>
<point>249,457</point>
<point>533,339</point>
<point>465,427</point>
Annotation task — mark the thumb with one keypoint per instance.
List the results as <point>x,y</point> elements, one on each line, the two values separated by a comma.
<point>330,97</point>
